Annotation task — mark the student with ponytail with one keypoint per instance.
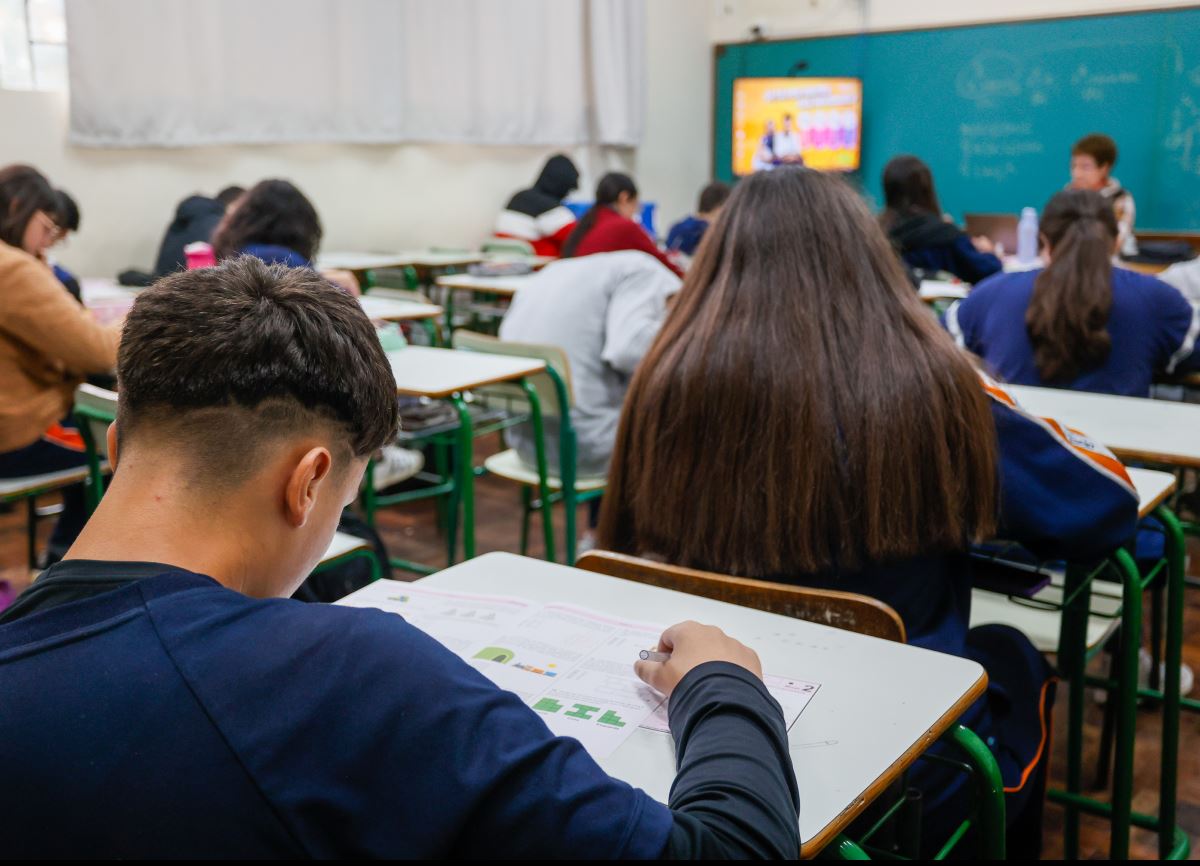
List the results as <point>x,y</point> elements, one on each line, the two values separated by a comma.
<point>609,227</point>
<point>1080,323</point>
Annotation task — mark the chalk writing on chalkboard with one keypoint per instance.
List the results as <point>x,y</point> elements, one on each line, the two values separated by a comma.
<point>1184,138</point>
<point>992,150</point>
<point>990,77</point>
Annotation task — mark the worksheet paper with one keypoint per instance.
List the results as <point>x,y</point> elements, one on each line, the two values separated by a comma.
<point>572,665</point>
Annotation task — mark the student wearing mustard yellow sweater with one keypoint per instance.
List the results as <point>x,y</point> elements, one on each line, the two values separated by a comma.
<point>48,344</point>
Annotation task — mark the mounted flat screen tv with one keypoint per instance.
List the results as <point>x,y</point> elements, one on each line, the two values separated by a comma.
<point>815,122</point>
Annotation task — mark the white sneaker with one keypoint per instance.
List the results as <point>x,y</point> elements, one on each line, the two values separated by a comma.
<point>1187,677</point>
<point>395,464</point>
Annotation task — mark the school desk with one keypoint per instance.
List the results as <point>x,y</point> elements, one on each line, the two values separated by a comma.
<point>1166,433</point>
<point>879,706</point>
<point>445,374</point>
<point>497,287</point>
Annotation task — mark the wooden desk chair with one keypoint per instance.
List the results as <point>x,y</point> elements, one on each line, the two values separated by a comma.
<point>555,398</point>
<point>845,610</point>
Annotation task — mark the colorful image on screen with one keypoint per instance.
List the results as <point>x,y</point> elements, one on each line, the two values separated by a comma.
<point>796,121</point>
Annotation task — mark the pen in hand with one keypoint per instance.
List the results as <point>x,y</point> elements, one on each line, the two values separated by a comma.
<point>652,656</point>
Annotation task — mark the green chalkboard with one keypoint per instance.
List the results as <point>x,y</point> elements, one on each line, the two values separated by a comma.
<point>995,108</point>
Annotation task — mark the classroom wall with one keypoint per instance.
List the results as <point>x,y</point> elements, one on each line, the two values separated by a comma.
<point>369,196</point>
<point>731,20</point>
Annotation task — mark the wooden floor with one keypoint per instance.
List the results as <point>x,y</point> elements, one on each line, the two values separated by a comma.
<point>411,532</point>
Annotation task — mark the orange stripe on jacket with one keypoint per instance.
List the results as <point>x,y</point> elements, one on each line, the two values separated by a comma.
<point>65,437</point>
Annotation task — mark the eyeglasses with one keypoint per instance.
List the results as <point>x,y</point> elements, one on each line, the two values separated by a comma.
<point>47,224</point>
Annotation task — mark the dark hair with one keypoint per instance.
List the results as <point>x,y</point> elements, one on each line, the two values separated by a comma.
<point>67,214</point>
<point>231,359</point>
<point>1067,317</point>
<point>800,411</point>
<point>1099,147</point>
<point>272,212</point>
<point>230,194</point>
<point>908,189</point>
<point>23,192</point>
<point>608,190</point>
<point>713,196</point>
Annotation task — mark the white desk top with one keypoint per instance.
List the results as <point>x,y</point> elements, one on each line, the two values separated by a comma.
<point>97,291</point>
<point>505,285</point>
<point>1152,487</point>
<point>879,704</point>
<point>395,310</point>
<point>1135,428</point>
<point>361,261</point>
<point>942,290</point>
<point>421,371</point>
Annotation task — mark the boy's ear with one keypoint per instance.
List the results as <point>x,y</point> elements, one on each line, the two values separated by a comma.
<point>305,482</point>
<point>110,438</point>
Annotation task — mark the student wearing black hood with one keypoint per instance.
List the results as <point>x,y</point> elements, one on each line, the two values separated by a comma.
<point>913,221</point>
<point>195,220</point>
<point>537,215</point>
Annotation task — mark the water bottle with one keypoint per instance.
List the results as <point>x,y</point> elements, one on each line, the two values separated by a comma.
<point>1027,236</point>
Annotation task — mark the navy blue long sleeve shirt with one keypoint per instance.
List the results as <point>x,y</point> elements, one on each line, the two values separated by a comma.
<point>150,712</point>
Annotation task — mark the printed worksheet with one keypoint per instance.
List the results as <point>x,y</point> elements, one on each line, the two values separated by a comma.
<point>572,665</point>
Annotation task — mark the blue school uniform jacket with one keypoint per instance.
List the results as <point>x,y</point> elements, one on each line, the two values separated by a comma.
<point>1153,329</point>
<point>1062,495</point>
<point>150,712</point>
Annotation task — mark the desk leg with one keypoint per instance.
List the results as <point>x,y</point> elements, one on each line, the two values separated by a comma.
<point>539,440</point>
<point>1072,648</point>
<point>466,477</point>
<point>1127,679</point>
<point>1172,658</point>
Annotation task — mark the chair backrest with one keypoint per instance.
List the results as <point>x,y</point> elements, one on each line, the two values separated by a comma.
<point>511,246</point>
<point>546,386</point>
<point>845,610</point>
<point>403,279</point>
<point>96,408</point>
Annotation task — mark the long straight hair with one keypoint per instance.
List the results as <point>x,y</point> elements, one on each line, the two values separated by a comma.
<point>1067,317</point>
<point>800,411</point>
<point>907,189</point>
<point>608,190</point>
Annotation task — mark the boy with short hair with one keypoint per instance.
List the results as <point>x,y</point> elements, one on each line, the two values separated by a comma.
<point>685,235</point>
<point>1092,161</point>
<point>163,698</point>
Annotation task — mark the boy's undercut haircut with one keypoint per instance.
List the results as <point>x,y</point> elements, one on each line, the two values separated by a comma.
<point>228,360</point>
<point>1099,147</point>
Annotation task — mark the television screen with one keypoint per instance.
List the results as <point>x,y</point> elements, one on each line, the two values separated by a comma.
<point>796,121</point>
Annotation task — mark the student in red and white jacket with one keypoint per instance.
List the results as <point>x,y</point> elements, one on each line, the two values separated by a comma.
<point>537,214</point>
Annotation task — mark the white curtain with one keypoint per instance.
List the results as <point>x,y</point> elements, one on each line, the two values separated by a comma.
<point>178,73</point>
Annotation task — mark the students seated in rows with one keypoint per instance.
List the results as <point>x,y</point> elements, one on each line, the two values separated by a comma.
<point>685,236</point>
<point>913,220</point>
<point>196,218</point>
<point>604,311</point>
<point>609,226</point>
<point>48,344</point>
<point>162,697</point>
<point>1080,323</point>
<point>801,418</point>
<point>537,215</point>
<point>277,224</point>
<point>1092,161</point>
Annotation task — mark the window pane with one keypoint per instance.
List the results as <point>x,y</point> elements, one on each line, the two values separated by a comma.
<point>50,67</point>
<point>15,70</point>
<point>47,23</point>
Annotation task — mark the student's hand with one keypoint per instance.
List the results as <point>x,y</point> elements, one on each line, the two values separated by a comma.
<point>983,244</point>
<point>691,645</point>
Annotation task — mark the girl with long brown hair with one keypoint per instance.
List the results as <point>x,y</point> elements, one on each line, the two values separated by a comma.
<point>802,418</point>
<point>1079,323</point>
